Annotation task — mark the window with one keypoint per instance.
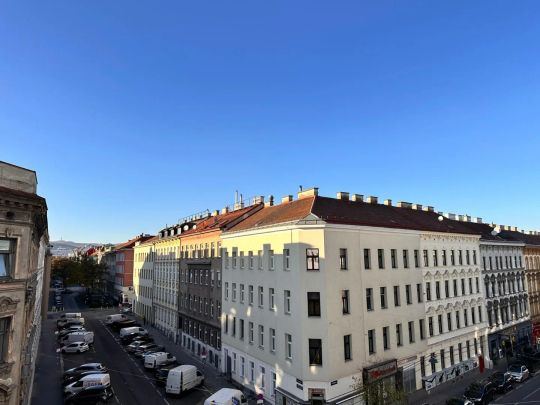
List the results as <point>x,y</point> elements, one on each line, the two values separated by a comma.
<point>463,290</point>
<point>446,288</point>
<point>286,259</point>
<point>440,324</point>
<point>287,298</point>
<point>271,299</point>
<point>234,259</point>
<point>345,301</point>
<point>7,257</point>
<point>426,258</point>
<point>272,340</point>
<point>234,363</point>
<point>271,260</point>
<point>234,326</point>
<point>383,297</point>
<point>226,290</point>
<point>408,296</point>
<point>250,295</point>
<point>443,365</point>
<point>242,260</point>
<point>371,341</point>
<point>411,331</point>
<point>397,302</point>
<point>234,291</point>
<point>386,338</point>
<point>458,320</point>
<point>263,372</point>
<point>393,257</point>
<point>314,303</point>
<point>343,259</point>
<point>478,285</point>
<point>438,290</point>
<point>444,257</point>
<point>315,352</point>
<point>241,293</point>
<point>421,325</point>
<point>416,259</point>
<point>347,347</point>
<point>406,259</point>
<point>449,320</point>
<point>460,257</point>
<point>250,332</point>
<point>452,257</point>
<point>250,260</point>
<point>367,259</point>
<point>428,291</point>
<point>5,324</point>
<point>399,340</point>
<point>430,326</point>
<point>241,329</point>
<point>454,285</point>
<point>251,372</point>
<point>226,323</point>
<point>465,317</point>
<point>435,258</point>
<point>468,257</point>
<point>470,285</point>
<point>369,299</point>
<point>288,346</point>
<point>261,336</point>
<point>380,256</point>
<point>312,257</point>
<point>261,297</point>
<point>419,292</point>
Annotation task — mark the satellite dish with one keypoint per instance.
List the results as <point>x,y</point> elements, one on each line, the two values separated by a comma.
<point>194,226</point>
<point>186,227</point>
<point>440,218</point>
<point>496,231</point>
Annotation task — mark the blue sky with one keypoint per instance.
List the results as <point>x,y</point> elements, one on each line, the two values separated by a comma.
<point>136,114</point>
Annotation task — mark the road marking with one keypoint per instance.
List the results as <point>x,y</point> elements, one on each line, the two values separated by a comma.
<point>528,395</point>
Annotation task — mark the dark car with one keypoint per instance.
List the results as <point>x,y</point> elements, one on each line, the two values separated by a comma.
<point>128,339</point>
<point>83,368</point>
<point>124,324</point>
<point>502,382</point>
<point>162,373</point>
<point>480,392</point>
<point>97,394</point>
<point>147,349</point>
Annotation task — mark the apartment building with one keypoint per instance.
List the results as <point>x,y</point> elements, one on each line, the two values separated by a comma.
<point>321,293</point>
<point>25,276</point>
<point>200,295</point>
<point>143,270</point>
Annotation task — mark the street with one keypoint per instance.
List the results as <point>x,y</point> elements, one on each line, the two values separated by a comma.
<point>525,393</point>
<point>131,383</point>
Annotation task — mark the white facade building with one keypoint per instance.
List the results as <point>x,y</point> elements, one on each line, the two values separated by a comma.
<point>143,268</point>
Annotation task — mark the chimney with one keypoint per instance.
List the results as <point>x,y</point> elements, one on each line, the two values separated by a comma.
<point>258,200</point>
<point>357,198</point>
<point>417,207</point>
<point>215,213</point>
<point>477,220</point>
<point>449,215</point>
<point>270,201</point>
<point>343,195</point>
<point>514,228</point>
<point>372,199</point>
<point>403,204</point>
<point>286,199</point>
<point>225,210</point>
<point>310,192</point>
<point>428,208</point>
<point>388,202</point>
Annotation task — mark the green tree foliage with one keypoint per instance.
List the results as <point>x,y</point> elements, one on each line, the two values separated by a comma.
<point>80,270</point>
<point>377,393</point>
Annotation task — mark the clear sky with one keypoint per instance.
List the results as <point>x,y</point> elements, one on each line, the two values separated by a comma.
<point>136,114</point>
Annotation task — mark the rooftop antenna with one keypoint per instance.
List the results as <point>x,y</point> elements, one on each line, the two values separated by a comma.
<point>300,188</point>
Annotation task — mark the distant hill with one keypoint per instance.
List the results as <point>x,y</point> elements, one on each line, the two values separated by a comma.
<point>66,247</point>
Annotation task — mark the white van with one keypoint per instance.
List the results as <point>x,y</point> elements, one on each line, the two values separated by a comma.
<point>115,318</point>
<point>69,315</point>
<point>84,336</point>
<point>183,378</point>
<point>155,360</point>
<point>226,396</point>
<point>133,329</point>
<point>88,381</point>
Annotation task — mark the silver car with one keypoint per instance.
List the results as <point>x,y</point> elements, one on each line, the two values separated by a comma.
<point>75,347</point>
<point>518,372</point>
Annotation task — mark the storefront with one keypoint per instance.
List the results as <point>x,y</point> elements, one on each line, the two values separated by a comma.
<point>379,380</point>
<point>509,341</point>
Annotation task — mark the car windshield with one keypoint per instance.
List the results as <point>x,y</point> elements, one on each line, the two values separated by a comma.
<point>515,368</point>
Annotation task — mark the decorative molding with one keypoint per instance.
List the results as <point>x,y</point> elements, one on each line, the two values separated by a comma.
<point>7,305</point>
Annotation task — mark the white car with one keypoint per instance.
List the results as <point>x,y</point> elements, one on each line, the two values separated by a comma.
<point>518,372</point>
<point>75,347</point>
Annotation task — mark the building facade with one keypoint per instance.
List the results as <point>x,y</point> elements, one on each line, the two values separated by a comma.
<point>143,286</point>
<point>24,268</point>
<point>322,296</point>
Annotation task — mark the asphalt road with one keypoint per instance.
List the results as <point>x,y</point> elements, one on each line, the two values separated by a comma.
<point>527,392</point>
<point>131,383</point>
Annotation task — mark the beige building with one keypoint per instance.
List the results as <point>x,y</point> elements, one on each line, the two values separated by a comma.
<point>320,293</point>
<point>24,278</point>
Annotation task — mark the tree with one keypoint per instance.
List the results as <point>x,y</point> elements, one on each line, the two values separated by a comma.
<point>378,393</point>
<point>81,270</point>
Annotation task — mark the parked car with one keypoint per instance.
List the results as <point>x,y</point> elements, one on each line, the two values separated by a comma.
<point>90,396</point>
<point>76,347</point>
<point>134,346</point>
<point>133,329</point>
<point>141,354</point>
<point>161,374</point>
<point>157,359</point>
<point>77,377</point>
<point>66,323</point>
<point>518,372</point>
<point>502,382</point>
<point>110,319</point>
<point>183,378</point>
<point>231,396</point>
<point>68,315</point>
<point>147,346</point>
<point>480,392</point>
<point>135,337</point>
<point>89,380</point>
<point>78,336</point>
<point>117,325</point>
<point>84,368</point>
<point>74,328</point>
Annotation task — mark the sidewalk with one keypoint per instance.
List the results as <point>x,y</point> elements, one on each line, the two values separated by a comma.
<point>454,388</point>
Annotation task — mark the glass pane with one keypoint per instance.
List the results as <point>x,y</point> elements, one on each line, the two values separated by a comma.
<point>4,245</point>
<point>4,265</point>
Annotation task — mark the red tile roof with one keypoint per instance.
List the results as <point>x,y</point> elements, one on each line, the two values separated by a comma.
<point>130,243</point>
<point>337,211</point>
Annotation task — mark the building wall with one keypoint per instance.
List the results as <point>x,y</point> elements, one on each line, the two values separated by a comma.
<point>143,268</point>
<point>532,270</point>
